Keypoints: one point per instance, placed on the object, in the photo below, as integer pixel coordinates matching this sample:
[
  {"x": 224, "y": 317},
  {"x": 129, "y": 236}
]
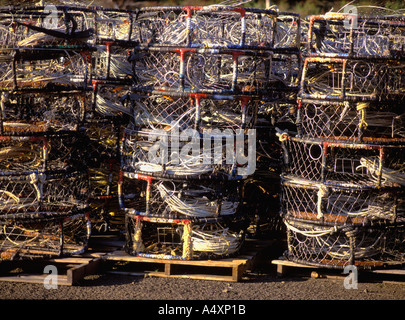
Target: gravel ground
[
  {"x": 259, "y": 290},
  {"x": 259, "y": 287}
]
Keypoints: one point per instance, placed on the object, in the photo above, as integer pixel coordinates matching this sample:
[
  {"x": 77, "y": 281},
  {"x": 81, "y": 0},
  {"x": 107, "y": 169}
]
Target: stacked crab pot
[
  {"x": 201, "y": 74},
  {"x": 343, "y": 183},
  {"x": 43, "y": 173}
]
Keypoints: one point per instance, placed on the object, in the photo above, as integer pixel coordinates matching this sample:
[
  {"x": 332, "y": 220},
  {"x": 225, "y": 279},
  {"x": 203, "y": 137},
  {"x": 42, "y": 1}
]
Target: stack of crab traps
[
  {"x": 200, "y": 76},
  {"x": 43, "y": 173},
  {"x": 344, "y": 177}
]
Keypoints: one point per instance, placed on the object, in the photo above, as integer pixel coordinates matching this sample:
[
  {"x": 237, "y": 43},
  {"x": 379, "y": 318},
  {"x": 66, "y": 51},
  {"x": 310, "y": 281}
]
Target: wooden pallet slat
[
  {"x": 183, "y": 268},
  {"x": 77, "y": 269}
]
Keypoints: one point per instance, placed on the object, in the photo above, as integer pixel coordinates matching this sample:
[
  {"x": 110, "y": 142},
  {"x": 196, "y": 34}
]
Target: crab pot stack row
[
  {"x": 343, "y": 182},
  {"x": 43, "y": 169},
  {"x": 200, "y": 76}
]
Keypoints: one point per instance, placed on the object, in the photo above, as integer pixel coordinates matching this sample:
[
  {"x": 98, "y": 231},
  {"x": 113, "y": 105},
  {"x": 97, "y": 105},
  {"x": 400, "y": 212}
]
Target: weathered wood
[{"x": 235, "y": 267}]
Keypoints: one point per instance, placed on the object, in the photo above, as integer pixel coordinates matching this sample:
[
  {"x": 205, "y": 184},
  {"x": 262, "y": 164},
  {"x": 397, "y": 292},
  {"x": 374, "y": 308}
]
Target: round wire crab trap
[
  {"x": 336, "y": 205},
  {"x": 182, "y": 239},
  {"x": 349, "y": 79},
  {"x": 51, "y": 111},
  {"x": 167, "y": 198},
  {"x": 27, "y": 238},
  {"x": 345, "y": 34},
  {"x": 42, "y": 194},
  {"x": 30, "y": 68},
  {"x": 338, "y": 246},
  {"x": 216, "y": 26},
  {"x": 205, "y": 70},
  {"x": 186, "y": 155},
  {"x": 174, "y": 110},
  {"x": 27, "y": 152},
  {"x": 36, "y": 25},
  {"x": 351, "y": 121},
  {"x": 363, "y": 164}
]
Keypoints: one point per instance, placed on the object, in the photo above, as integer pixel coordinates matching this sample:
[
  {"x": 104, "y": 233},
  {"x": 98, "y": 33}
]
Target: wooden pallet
[
  {"x": 228, "y": 269},
  {"x": 70, "y": 270},
  {"x": 285, "y": 266}
]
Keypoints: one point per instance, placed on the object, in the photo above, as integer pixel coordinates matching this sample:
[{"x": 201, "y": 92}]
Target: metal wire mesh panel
[
  {"x": 351, "y": 121},
  {"x": 108, "y": 99},
  {"x": 43, "y": 238},
  {"x": 40, "y": 68},
  {"x": 181, "y": 111},
  {"x": 336, "y": 247},
  {"x": 186, "y": 155},
  {"x": 42, "y": 194},
  {"x": 343, "y": 34},
  {"x": 111, "y": 62},
  {"x": 206, "y": 26},
  {"x": 52, "y": 110},
  {"x": 352, "y": 79},
  {"x": 364, "y": 164},
  {"x": 181, "y": 238},
  {"x": 329, "y": 204},
  {"x": 147, "y": 196},
  {"x": 203, "y": 69},
  {"x": 43, "y": 25},
  {"x": 32, "y": 152}
]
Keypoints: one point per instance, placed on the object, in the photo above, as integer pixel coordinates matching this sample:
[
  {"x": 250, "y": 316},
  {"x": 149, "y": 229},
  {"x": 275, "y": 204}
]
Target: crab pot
[
  {"x": 38, "y": 192},
  {"x": 44, "y": 68},
  {"x": 363, "y": 164},
  {"x": 330, "y": 204},
  {"x": 182, "y": 239},
  {"x": 338, "y": 246},
  {"x": 23, "y": 152},
  {"x": 349, "y": 121},
  {"x": 202, "y": 69},
  {"x": 350, "y": 79},
  {"x": 147, "y": 196},
  {"x": 207, "y": 26},
  {"x": 56, "y": 234},
  {"x": 51, "y": 109},
  {"x": 169, "y": 110},
  {"x": 345, "y": 34},
  {"x": 188, "y": 155},
  {"x": 65, "y": 19}
]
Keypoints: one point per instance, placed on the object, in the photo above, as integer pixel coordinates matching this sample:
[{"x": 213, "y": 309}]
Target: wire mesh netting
[
  {"x": 168, "y": 198},
  {"x": 181, "y": 111},
  {"x": 336, "y": 247},
  {"x": 344, "y": 79},
  {"x": 49, "y": 111},
  {"x": 212, "y": 70},
  {"x": 43, "y": 193},
  {"x": 330, "y": 204},
  {"x": 351, "y": 121},
  {"x": 363, "y": 164},
  {"x": 44, "y": 67},
  {"x": 342, "y": 34},
  {"x": 43, "y": 237},
  {"x": 182, "y": 239}
]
